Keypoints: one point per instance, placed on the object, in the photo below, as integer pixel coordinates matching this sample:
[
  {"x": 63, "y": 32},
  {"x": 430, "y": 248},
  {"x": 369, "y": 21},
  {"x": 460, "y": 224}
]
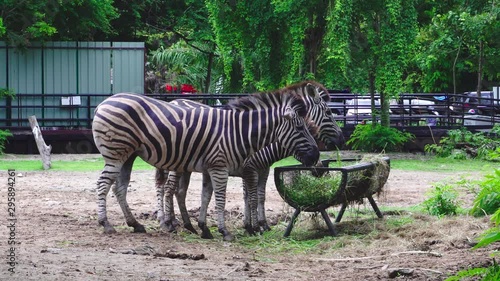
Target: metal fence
[{"x": 57, "y": 111}]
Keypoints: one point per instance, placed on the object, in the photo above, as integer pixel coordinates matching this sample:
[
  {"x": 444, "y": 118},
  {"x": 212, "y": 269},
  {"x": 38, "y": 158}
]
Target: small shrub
[
  {"x": 443, "y": 201},
  {"x": 487, "y": 200},
  {"x": 463, "y": 144},
  {"x": 3, "y": 139},
  {"x": 378, "y": 138}
]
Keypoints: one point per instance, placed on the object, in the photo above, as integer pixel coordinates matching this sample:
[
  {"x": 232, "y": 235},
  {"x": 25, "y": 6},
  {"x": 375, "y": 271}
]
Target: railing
[{"x": 75, "y": 112}]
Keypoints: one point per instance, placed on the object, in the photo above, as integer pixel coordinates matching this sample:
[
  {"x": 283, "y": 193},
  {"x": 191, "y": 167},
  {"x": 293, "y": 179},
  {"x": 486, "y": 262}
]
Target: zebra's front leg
[
  {"x": 120, "y": 190},
  {"x": 261, "y": 199},
  {"x": 206, "y": 196},
  {"x": 219, "y": 181},
  {"x": 250, "y": 180}
]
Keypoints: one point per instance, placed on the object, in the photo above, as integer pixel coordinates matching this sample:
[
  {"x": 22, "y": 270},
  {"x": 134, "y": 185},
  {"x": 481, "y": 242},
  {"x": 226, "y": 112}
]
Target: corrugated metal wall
[{"x": 69, "y": 69}]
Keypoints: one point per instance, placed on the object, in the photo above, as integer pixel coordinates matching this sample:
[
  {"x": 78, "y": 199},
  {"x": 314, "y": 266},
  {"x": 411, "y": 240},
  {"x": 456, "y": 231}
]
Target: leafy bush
[
  {"x": 3, "y": 139},
  {"x": 487, "y": 200},
  {"x": 463, "y": 144},
  {"x": 378, "y": 138},
  {"x": 443, "y": 201}
]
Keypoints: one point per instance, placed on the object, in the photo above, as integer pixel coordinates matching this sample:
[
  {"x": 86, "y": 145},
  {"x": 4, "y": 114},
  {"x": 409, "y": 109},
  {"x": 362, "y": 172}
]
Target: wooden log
[{"x": 43, "y": 149}]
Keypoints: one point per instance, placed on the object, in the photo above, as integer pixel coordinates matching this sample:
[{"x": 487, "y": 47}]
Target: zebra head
[
  {"x": 316, "y": 97},
  {"x": 298, "y": 133}
]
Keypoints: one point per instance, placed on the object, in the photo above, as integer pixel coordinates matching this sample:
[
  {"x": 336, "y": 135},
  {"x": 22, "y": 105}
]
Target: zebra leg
[
  {"x": 261, "y": 199},
  {"x": 250, "y": 180},
  {"x": 170, "y": 187},
  {"x": 120, "y": 190},
  {"x": 219, "y": 181},
  {"x": 206, "y": 196},
  {"x": 180, "y": 194},
  {"x": 106, "y": 179},
  {"x": 160, "y": 179}
]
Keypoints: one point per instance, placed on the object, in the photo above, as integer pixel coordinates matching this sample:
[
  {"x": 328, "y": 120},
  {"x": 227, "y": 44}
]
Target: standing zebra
[
  {"x": 254, "y": 170},
  {"x": 184, "y": 139}
]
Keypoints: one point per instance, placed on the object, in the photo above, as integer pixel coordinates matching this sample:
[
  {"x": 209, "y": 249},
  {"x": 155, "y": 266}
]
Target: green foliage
[
  {"x": 487, "y": 200},
  {"x": 378, "y": 138},
  {"x": 491, "y": 273},
  {"x": 33, "y": 20},
  {"x": 463, "y": 144},
  {"x": 4, "y": 92},
  {"x": 4, "y": 134},
  {"x": 442, "y": 201},
  {"x": 3, "y": 30}
]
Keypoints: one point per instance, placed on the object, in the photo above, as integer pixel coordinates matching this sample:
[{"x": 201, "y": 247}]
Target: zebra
[
  {"x": 256, "y": 171},
  {"x": 181, "y": 139}
]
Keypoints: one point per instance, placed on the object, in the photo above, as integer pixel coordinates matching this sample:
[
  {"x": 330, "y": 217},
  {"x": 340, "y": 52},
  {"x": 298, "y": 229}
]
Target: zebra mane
[
  {"x": 312, "y": 127},
  {"x": 269, "y": 99},
  {"x": 302, "y": 87}
]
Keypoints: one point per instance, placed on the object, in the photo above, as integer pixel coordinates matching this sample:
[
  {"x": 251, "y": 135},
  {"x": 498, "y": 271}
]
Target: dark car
[{"x": 469, "y": 103}]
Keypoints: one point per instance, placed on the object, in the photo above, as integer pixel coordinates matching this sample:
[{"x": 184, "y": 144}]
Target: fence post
[{"x": 43, "y": 149}]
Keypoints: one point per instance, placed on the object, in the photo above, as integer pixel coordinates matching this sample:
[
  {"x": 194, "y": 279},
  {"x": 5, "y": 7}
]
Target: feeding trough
[{"x": 338, "y": 182}]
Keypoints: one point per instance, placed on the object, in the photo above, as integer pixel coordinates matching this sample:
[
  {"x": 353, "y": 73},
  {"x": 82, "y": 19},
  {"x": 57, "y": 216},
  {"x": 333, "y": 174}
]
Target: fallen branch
[{"x": 434, "y": 254}]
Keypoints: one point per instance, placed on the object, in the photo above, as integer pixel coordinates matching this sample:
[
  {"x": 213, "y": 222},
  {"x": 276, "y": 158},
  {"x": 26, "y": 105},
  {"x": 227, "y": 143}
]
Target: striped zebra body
[
  {"x": 255, "y": 169},
  {"x": 181, "y": 139}
]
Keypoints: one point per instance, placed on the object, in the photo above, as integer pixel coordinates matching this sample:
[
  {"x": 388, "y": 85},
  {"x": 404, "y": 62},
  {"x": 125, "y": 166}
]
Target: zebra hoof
[
  {"x": 139, "y": 229},
  {"x": 249, "y": 230},
  {"x": 190, "y": 227},
  {"x": 167, "y": 228},
  {"x": 264, "y": 226},
  {"x": 109, "y": 230},
  {"x": 206, "y": 234},
  {"x": 227, "y": 236}
]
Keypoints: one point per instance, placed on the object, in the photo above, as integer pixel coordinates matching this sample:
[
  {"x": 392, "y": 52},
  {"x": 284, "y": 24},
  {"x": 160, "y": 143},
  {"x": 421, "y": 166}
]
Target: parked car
[{"x": 469, "y": 103}]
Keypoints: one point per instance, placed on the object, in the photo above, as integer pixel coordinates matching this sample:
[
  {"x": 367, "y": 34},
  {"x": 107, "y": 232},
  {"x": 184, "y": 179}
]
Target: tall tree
[
  {"x": 31, "y": 20},
  {"x": 374, "y": 38}
]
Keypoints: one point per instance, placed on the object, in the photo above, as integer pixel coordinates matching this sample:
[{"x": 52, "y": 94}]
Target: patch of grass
[
  {"x": 87, "y": 165},
  {"x": 442, "y": 164}
]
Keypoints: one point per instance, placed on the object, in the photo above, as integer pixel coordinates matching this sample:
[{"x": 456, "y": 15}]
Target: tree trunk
[
  {"x": 480, "y": 71},
  {"x": 43, "y": 149},
  {"x": 371, "y": 81},
  {"x": 209, "y": 72}
]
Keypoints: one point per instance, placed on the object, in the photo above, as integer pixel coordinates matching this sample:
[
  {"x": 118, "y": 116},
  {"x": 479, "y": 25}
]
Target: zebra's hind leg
[
  {"x": 106, "y": 179},
  {"x": 170, "y": 187},
  {"x": 180, "y": 194},
  {"x": 160, "y": 180},
  {"x": 206, "y": 196},
  {"x": 120, "y": 190}
]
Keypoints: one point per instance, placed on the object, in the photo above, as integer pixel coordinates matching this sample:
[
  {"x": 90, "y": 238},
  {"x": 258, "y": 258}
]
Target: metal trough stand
[{"x": 341, "y": 193}]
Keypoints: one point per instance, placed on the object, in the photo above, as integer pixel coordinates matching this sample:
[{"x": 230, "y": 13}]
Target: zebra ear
[
  {"x": 289, "y": 113},
  {"x": 312, "y": 91}
]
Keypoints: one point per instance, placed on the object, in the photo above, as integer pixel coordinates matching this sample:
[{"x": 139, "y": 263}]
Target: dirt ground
[{"x": 59, "y": 239}]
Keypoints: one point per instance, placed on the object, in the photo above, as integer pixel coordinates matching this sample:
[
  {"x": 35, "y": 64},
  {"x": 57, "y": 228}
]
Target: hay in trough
[
  {"x": 306, "y": 189},
  {"x": 368, "y": 181}
]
